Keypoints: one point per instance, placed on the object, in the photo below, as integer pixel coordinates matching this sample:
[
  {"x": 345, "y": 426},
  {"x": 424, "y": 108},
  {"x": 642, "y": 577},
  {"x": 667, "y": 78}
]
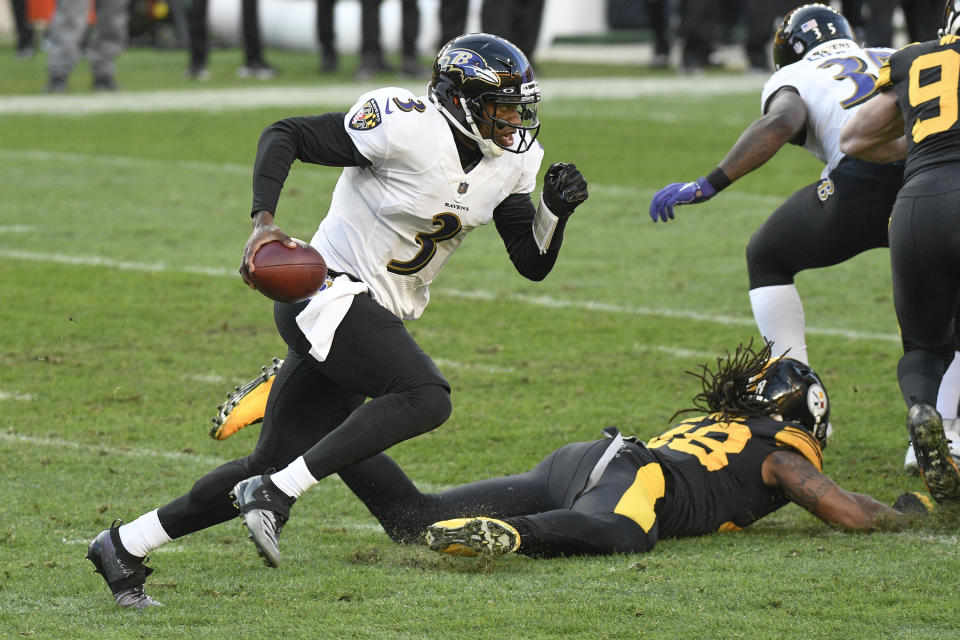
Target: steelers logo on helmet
[
  {"x": 816, "y": 400},
  {"x": 796, "y": 394}
]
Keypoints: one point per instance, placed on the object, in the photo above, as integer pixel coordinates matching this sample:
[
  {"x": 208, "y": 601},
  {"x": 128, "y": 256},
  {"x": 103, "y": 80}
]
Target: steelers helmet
[
  {"x": 804, "y": 28},
  {"x": 474, "y": 74},
  {"x": 951, "y": 18},
  {"x": 795, "y": 393}
]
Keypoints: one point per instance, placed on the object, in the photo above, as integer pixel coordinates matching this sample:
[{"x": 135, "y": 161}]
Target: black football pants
[
  {"x": 925, "y": 260},
  {"x": 318, "y": 409},
  {"x": 546, "y": 505},
  {"x": 825, "y": 223}
]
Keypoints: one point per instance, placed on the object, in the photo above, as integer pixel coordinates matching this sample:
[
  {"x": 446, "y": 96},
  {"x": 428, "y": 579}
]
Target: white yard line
[
  {"x": 322, "y": 97},
  {"x": 548, "y": 302},
  {"x": 16, "y": 395}
]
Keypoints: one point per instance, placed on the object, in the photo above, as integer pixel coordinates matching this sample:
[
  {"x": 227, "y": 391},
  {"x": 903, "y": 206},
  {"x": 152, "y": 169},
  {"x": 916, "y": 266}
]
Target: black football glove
[{"x": 564, "y": 187}]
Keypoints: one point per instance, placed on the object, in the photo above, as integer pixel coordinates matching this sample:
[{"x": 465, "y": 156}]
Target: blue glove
[{"x": 679, "y": 193}]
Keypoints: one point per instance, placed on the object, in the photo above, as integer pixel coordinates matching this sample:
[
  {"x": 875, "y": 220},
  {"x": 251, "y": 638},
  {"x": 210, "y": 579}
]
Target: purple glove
[{"x": 679, "y": 193}]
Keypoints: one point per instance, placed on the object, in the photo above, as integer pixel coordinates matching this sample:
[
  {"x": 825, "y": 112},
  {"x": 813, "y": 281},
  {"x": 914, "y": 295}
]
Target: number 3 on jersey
[{"x": 448, "y": 226}]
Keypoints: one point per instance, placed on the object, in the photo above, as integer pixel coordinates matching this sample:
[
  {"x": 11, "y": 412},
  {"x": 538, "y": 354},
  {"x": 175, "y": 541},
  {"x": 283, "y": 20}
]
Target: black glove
[{"x": 564, "y": 187}]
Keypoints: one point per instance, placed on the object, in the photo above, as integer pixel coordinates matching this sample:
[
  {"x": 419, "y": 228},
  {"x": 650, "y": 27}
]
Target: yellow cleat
[
  {"x": 472, "y": 537},
  {"x": 246, "y": 404}
]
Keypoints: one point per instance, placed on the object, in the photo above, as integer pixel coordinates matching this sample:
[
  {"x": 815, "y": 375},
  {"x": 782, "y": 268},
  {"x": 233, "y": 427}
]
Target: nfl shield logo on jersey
[{"x": 462, "y": 189}]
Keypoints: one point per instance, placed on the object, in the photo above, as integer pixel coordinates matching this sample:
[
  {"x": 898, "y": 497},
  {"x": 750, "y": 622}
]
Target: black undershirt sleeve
[
  {"x": 514, "y": 220},
  {"x": 317, "y": 139}
]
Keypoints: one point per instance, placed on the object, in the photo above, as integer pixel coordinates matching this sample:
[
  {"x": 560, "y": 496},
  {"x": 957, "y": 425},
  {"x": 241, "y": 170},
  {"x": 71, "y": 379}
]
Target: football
[{"x": 288, "y": 275}]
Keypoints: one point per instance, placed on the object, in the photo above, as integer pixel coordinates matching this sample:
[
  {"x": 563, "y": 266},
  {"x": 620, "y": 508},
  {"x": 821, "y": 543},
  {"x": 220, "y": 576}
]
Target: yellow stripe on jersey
[
  {"x": 804, "y": 443},
  {"x": 637, "y": 502},
  {"x": 883, "y": 77}
]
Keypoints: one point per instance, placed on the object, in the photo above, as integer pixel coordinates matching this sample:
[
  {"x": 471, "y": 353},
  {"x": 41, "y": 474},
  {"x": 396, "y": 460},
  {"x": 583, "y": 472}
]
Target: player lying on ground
[{"x": 758, "y": 448}]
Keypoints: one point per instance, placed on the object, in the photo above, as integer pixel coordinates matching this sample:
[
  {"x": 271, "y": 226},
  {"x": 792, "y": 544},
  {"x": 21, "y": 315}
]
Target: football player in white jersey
[
  {"x": 420, "y": 173},
  {"x": 822, "y": 78}
]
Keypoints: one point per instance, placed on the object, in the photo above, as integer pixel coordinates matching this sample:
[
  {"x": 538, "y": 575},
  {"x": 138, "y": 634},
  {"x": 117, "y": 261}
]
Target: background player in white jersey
[
  {"x": 822, "y": 79},
  {"x": 420, "y": 173}
]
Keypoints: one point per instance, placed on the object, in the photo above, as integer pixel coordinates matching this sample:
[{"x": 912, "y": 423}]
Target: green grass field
[{"x": 123, "y": 324}]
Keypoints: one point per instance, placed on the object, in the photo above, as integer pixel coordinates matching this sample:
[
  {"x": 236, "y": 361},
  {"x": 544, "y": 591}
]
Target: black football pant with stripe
[
  {"x": 320, "y": 409},
  {"x": 547, "y": 505},
  {"x": 925, "y": 260}
]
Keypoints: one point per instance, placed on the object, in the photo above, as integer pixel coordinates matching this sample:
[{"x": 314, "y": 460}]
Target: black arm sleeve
[
  {"x": 514, "y": 220},
  {"x": 314, "y": 139}
]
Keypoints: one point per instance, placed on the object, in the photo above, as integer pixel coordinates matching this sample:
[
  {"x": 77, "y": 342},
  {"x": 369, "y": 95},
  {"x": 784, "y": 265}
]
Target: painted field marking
[{"x": 548, "y": 302}]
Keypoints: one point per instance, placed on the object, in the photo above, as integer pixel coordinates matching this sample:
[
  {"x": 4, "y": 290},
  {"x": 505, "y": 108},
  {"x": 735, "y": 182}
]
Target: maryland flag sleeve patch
[{"x": 367, "y": 116}]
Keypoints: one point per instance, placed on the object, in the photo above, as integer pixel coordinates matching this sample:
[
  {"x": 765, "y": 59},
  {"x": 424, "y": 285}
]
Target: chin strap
[{"x": 488, "y": 147}]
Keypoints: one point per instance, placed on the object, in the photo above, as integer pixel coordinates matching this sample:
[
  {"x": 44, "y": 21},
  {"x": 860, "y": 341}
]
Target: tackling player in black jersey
[{"x": 758, "y": 448}]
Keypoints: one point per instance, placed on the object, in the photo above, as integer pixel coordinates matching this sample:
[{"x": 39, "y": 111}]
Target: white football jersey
[
  {"x": 395, "y": 224},
  {"x": 833, "y": 79}
]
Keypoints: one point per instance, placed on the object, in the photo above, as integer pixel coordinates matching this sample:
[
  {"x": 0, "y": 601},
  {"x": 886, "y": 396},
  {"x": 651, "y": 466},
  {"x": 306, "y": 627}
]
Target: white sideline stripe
[
  {"x": 675, "y": 351},
  {"x": 317, "y": 96},
  {"x": 15, "y": 395},
  {"x": 479, "y": 294},
  {"x": 15, "y": 228},
  {"x": 179, "y": 456},
  {"x": 121, "y": 161},
  {"x": 632, "y": 194},
  {"x": 207, "y": 377},
  {"x": 60, "y": 443},
  {"x": 485, "y": 368}
]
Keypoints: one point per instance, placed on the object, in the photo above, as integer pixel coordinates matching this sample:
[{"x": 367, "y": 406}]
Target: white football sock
[
  {"x": 294, "y": 479},
  {"x": 779, "y": 315},
  {"x": 143, "y": 535},
  {"x": 948, "y": 397}
]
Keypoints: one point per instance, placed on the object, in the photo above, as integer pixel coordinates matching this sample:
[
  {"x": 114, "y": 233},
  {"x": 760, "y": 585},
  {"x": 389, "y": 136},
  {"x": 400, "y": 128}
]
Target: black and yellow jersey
[
  {"x": 926, "y": 80},
  {"x": 714, "y": 471}
]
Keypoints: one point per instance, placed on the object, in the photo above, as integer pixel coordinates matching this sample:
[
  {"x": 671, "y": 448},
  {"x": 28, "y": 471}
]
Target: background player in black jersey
[
  {"x": 758, "y": 448},
  {"x": 918, "y": 92}
]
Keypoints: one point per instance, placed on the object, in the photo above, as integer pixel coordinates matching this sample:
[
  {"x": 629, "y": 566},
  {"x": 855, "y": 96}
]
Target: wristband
[{"x": 718, "y": 180}]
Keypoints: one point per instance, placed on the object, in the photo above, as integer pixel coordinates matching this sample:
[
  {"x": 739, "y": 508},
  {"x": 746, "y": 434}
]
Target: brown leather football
[{"x": 288, "y": 275}]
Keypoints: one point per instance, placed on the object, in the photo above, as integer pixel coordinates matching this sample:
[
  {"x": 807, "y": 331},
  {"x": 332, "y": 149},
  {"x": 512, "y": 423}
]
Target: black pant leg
[
  {"x": 24, "y": 30},
  {"x": 197, "y": 32},
  {"x": 372, "y": 355},
  {"x": 410, "y": 28},
  {"x": 453, "y": 19},
  {"x": 325, "y": 33},
  {"x": 370, "y": 30},
  {"x": 252, "y": 44}
]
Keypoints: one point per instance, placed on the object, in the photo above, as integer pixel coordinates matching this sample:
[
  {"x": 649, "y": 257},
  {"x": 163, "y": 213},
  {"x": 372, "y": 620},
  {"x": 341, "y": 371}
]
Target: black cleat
[
  {"x": 264, "y": 509},
  {"x": 125, "y": 574},
  {"x": 937, "y": 468}
]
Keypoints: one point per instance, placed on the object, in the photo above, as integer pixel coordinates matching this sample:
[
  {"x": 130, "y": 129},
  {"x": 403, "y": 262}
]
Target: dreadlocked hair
[{"x": 731, "y": 391}]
